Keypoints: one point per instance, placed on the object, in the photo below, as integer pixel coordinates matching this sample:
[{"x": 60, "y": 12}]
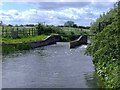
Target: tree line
[{"x": 66, "y": 24}]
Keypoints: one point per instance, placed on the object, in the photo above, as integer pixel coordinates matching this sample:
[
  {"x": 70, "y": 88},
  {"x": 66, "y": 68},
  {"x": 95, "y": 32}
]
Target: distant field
[
  {"x": 69, "y": 30},
  {"x": 66, "y": 30}
]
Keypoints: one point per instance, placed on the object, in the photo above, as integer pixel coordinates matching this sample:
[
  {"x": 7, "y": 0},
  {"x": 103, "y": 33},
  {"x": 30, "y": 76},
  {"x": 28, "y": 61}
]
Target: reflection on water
[
  {"x": 54, "y": 66},
  {"x": 91, "y": 80}
]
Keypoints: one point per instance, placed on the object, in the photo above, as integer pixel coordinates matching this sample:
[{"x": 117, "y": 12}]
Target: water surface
[{"x": 54, "y": 66}]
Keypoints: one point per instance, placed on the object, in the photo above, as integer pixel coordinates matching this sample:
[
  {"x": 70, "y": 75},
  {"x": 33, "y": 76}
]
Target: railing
[{"x": 18, "y": 32}]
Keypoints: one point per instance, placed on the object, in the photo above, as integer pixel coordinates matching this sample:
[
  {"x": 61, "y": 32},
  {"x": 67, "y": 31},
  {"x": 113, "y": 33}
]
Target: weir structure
[
  {"x": 82, "y": 40},
  {"x": 52, "y": 39}
]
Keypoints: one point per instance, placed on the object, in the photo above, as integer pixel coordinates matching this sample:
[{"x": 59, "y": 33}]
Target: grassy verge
[
  {"x": 23, "y": 46},
  {"x": 23, "y": 40}
]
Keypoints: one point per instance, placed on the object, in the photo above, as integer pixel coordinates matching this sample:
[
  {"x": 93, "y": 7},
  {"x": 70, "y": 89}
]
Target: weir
[
  {"x": 80, "y": 41},
  {"x": 52, "y": 39}
]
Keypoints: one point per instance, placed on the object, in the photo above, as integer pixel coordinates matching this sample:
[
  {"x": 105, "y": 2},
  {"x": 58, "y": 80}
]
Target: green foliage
[
  {"x": 69, "y": 24},
  {"x": 22, "y": 40},
  {"x": 105, "y": 49},
  {"x": 104, "y": 19},
  {"x": 67, "y": 32},
  {"x": 23, "y": 46},
  {"x": 14, "y": 48},
  {"x": 105, "y": 52},
  {"x": 40, "y": 28}
]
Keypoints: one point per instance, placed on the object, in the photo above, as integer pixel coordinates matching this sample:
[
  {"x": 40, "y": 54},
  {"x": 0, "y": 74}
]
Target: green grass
[
  {"x": 23, "y": 40},
  {"x": 23, "y": 46},
  {"x": 68, "y": 30}
]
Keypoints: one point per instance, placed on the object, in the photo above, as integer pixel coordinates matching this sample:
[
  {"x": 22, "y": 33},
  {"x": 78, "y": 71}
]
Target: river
[{"x": 54, "y": 66}]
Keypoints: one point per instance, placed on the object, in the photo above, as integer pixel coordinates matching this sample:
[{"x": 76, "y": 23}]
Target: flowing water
[{"x": 54, "y": 66}]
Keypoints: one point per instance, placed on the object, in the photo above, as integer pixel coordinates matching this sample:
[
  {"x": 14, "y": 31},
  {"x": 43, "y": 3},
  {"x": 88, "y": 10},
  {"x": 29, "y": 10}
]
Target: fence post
[
  {"x": 17, "y": 31},
  {"x": 32, "y": 31},
  {"x": 2, "y": 30},
  {"x": 6, "y": 32},
  {"x": 12, "y": 31},
  {"x": 29, "y": 32},
  {"x": 36, "y": 32},
  {"x": 23, "y": 31}
]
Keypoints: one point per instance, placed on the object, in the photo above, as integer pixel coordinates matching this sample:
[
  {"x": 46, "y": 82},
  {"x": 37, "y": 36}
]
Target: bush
[
  {"x": 105, "y": 49},
  {"x": 40, "y": 28},
  {"x": 105, "y": 52},
  {"x": 47, "y": 30}
]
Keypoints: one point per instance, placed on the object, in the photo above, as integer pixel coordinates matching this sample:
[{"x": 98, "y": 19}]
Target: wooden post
[
  {"x": 12, "y": 31},
  {"x": 6, "y": 32},
  {"x": 36, "y": 32},
  {"x": 23, "y": 32},
  {"x": 29, "y": 32},
  {"x": 2, "y": 30},
  {"x": 32, "y": 31},
  {"x": 17, "y": 31}
]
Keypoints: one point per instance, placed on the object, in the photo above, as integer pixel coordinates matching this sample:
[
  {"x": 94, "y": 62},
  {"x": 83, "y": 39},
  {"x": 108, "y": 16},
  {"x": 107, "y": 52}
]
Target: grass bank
[
  {"x": 23, "y": 40},
  {"x": 6, "y": 49}
]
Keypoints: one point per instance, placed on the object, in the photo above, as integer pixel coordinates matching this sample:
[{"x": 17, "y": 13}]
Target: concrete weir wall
[
  {"x": 48, "y": 41},
  {"x": 80, "y": 41}
]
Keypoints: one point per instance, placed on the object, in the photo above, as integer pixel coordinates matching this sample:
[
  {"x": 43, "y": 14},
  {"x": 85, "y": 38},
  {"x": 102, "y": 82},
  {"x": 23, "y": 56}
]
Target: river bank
[{"x": 11, "y": 47}]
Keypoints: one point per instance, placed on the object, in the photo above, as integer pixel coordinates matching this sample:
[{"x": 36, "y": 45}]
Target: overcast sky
[{"x": 52, "y": 13}]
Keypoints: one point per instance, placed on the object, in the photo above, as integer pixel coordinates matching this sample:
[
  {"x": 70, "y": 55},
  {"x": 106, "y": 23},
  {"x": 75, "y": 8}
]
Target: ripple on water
[{"x": 50, "y": 66}]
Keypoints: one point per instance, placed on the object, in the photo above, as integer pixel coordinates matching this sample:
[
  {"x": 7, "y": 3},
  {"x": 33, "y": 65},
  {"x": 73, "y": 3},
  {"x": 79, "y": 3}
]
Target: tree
[
  {"x": 40, "y": 28},
  {"x": 16, "y": 25},
  {"x": 108, "y": 17},
  {"x": 75, "y": 25},
  {"x": 10, "y": 25},
  {"x": 21, "y": 25},
  {"x": 1, "y": 23},
  {"x": 69, "y": 24}
]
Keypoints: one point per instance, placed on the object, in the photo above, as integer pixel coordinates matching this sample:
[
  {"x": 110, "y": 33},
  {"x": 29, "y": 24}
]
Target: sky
[{"x": 52, "y": 12}]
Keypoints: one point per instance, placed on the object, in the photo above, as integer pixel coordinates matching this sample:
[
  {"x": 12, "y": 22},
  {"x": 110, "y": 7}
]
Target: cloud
[
  {"x": 56, "y": 13},
  {"x": 57, "y": 0},
  {"x": 1, "y": 4},
  {"x": 47, "y": 16},
  {"x": 102, "y": 5},
  {"x": 57, "y": 5}
]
